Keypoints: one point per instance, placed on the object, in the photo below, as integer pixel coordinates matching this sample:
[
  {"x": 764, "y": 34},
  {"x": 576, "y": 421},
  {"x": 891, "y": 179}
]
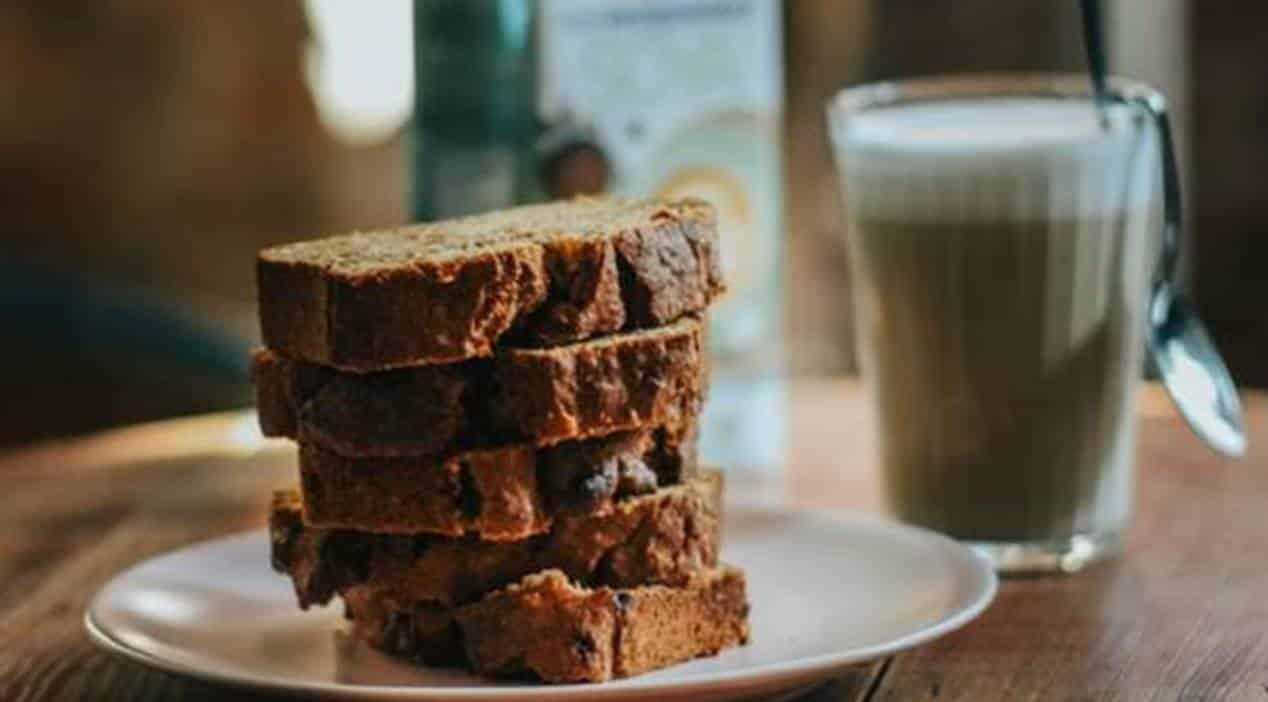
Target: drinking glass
[{"x": 999, "y": 231}]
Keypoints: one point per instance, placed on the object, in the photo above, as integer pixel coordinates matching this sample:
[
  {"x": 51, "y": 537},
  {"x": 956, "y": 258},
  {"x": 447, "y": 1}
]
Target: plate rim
[{"x": 767, "y": 675}]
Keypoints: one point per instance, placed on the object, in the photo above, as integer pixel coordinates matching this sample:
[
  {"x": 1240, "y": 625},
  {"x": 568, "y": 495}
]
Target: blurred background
[{"x": 148, "y": 148}]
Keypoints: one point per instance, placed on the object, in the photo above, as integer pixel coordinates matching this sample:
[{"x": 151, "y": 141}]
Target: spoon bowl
[{"x": 1193, "y": 372}]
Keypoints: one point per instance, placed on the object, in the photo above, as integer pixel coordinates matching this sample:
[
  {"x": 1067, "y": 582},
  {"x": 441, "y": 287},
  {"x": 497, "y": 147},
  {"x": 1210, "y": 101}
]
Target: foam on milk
[{"x": 991, "y": 158}]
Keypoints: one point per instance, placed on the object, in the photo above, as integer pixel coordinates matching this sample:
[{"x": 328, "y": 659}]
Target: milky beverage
[{"x": 999, "y": 249}]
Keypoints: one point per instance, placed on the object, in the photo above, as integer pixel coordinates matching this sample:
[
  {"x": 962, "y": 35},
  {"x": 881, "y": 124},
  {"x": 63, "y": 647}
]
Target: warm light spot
[{"x": 360, "y": 66}]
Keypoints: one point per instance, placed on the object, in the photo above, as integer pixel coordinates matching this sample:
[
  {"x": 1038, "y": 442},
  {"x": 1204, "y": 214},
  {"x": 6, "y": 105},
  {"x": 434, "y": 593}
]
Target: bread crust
[
  {"x": 521, "y": 395},
  {"x": 500, "y": 494},
  {"x": 662, "y": 537},
  {"x": 561, "y": 632},
  {"x": 447, "y": 291}
]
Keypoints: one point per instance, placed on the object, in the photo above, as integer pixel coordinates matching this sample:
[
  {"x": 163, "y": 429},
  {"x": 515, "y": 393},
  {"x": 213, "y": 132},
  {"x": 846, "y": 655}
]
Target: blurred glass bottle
[
  {"x": 552, "y": 98},
  {"x": 474, "y": 121}
]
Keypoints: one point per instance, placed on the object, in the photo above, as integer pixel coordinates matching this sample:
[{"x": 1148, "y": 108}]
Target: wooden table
[{"x": 1182, "y": 616}]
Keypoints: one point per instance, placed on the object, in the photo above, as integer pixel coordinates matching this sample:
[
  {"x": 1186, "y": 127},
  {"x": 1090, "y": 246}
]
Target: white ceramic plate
[{"x": 825, "y": 594}]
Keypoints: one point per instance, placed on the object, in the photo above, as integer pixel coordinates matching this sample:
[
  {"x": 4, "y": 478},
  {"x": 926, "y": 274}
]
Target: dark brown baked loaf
[
  {"x": 590, "y": 388},
  {"x": 561, "y": 631},
  {"x": 501, "y": 494},
  {"x": 656, "y": 538},
  {"x": 447, "y": 291}
]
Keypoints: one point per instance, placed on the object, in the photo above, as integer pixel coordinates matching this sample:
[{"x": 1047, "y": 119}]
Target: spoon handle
[
  {"x": 1172, "y": 198},
  {"x": 1094, "y": 45},
  {"x": 1172, "y": 202}
]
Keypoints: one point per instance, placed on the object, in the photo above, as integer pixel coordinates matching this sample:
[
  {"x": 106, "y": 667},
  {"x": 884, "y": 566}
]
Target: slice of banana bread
[
  {"x": 451, "y": 290},
  {"x": 561, "y": 631},
  {"x": 656, "y": 538},
  {"x": 591, "y": 388},
  {"x": 501, "y": 494}
]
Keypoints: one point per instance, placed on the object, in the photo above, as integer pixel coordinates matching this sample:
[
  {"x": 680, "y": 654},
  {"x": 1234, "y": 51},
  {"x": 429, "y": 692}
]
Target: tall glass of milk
[{"x": 999, "y": 237}]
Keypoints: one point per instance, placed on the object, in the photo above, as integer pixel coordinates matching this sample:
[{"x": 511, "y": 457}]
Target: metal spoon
[{"x": 1179, "y": 347}]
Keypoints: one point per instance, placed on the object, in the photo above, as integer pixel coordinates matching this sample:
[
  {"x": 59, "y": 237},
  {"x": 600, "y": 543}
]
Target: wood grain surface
[{"x": 1183, "y": 615}]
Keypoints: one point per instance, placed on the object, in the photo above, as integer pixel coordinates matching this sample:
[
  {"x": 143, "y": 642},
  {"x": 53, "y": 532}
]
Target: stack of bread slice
[{"x": 496, "y": 419}]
